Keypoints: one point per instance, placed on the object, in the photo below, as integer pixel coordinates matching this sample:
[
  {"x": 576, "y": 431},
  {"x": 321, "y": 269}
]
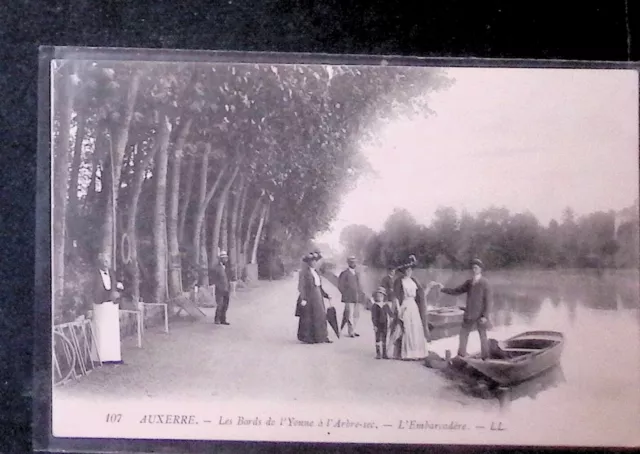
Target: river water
[{"x": 599, "y": 315}]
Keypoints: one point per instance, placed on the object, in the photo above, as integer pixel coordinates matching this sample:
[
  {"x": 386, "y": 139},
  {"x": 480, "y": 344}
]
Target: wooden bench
[{"x": 185, "y": 304}]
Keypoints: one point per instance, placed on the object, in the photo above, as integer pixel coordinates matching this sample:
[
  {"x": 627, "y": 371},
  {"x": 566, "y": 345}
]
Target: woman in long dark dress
[{"x": 312, "y": 327}]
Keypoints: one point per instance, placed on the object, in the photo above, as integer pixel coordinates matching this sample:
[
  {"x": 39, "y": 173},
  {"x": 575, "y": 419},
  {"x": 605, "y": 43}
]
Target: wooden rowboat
[
  {"x": 520, "y": 357},
  {"x": 444, "y": 316}
]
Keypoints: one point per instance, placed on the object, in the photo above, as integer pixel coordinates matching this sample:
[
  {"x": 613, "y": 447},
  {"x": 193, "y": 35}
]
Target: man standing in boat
[{"x": 477, "y": 310}]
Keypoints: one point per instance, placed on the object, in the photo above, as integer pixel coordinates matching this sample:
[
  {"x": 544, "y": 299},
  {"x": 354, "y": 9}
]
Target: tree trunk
[
  {"x": 240, "y": 264},
  {"x": 247, "y": 237},
  {"x": 175, "y": 274},
  {"x": 220, "y": 208},
  {"x": 91, "y": 190},
  {"x": 263, "y": 216},
  {"x": 268, "y": 255},
  {"x": 222, "y": 244},
  {"x": 134, "y": 267},
  {"x": 267, "y": 216},
  {"x": 72, "y": 209},
  {"x": 100, "y": 155},
  {"x": 224, "y": 228},
  {"x": 203, "y": 270},
  {"x": 184, "y": 207},
  {"x": 233, "y": 228},
  {"x": 243, "y": 203},
  {"x": 117, "y": 149},
  {"x": 204, "y": 170},
  {"x": 62, "y": 105},
  {"x": 239, "y": 228},
  {"x": 198, "y": 238},
  {"x": 160, "y": 213}
]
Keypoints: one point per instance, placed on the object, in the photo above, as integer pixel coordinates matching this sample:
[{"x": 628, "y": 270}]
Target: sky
[{"x": 535, "y": 140}]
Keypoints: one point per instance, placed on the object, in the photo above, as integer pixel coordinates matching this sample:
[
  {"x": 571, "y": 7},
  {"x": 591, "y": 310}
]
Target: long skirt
[
  {"x": 312, "y": 327},
  {"x": 394, "y": 337},
  {"x": 414, "y": 344}
]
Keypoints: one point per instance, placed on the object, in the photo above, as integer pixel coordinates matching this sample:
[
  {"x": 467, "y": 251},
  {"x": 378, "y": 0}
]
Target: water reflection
[
  {"x": 600, "y": 318},
  {"x": 532, "y": 388},
  {"x": 524, "y": 292},
  {"x": 503, "y": 317},
  {"x": 572, "y": 306},
  {"x": 444, "y": 332},
  {"x": 628, "y": 297}
]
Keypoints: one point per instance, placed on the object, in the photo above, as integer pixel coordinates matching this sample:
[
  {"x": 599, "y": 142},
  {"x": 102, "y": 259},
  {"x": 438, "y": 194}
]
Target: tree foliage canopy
[{"x": 283, "y": 141}]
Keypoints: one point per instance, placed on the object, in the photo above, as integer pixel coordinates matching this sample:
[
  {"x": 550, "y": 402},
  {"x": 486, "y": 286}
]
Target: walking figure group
[{"x": 398, "y": 308}]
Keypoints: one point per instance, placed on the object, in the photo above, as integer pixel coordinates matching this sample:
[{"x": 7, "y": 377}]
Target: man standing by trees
[
  {"x": 222, "y": 289},
  {"x": 350, "y": 288},
  {"x": 476, "y": 312}
]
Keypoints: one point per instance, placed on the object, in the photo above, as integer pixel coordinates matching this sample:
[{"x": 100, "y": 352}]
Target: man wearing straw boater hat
[
  {"x": 350, "y": 289},
  {"x": 477, "y": 310},
  {"x": 222, "y": 289}
]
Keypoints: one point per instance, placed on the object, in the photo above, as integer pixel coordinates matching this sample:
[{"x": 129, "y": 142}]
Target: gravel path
[{"x": 259, "y": 357}]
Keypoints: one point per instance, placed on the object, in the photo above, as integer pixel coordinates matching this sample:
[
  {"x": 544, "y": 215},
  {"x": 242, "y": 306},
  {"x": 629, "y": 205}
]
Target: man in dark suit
[
  {"x": 477, "y": 310},
  {"x": 387, "y": 283},
  {"x": 106, "y": 285},
  {"x": 350, "y": 288},
  {"x": 222, "y": 289}
]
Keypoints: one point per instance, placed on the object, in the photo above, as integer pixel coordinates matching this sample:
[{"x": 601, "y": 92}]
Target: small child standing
[{"x": 380, "y": 318}]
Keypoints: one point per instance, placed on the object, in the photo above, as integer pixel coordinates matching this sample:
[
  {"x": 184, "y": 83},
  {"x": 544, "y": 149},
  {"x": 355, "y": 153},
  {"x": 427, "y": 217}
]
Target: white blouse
[
  {"x": 316, "y": 277},
  {"x": 410, "y": 288},
  {"x": 106, "y": 281}
]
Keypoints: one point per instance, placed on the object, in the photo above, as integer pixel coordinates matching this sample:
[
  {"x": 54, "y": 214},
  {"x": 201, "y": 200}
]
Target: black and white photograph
[{"x": 365, "y": 251}]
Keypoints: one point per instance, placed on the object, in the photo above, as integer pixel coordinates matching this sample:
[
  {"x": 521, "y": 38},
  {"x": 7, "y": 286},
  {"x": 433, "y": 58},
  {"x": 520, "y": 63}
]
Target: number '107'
[{"x": 114, "y": 417}]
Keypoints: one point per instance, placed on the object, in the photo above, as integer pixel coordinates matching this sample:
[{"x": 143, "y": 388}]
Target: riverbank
[
  {"x": 256, "y": 366},
  {"x": 258, "y": 357}
]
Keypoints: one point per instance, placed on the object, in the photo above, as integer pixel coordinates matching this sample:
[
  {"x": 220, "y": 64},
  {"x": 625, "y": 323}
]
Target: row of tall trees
[
  {"x": 502, "y": 239},
  {"x": 159, "y": 166}
]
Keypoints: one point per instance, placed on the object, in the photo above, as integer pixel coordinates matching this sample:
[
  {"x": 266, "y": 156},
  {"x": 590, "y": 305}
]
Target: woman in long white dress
[{"x": 410, "y": 303}]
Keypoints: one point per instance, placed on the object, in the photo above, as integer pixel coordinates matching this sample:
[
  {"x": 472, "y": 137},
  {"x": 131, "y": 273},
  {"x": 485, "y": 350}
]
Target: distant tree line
[{"x": 502, "y": 239}]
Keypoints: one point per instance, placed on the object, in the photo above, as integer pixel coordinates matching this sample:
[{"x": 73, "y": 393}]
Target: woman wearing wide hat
[
  {"x": 312, "y": 327},
  {"x": 410, "y": 336}
]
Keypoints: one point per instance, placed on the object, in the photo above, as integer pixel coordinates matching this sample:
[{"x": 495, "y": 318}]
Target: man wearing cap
[
  {"x": 380, "y": 314},
  {"x": 477, "y": 310},
  {"x": 222, "y": 288},
  {"x": 350, "y": 289}
]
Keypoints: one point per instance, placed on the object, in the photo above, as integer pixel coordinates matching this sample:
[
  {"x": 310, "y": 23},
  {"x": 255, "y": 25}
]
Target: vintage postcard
[{"x": 332, "y": 249}]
